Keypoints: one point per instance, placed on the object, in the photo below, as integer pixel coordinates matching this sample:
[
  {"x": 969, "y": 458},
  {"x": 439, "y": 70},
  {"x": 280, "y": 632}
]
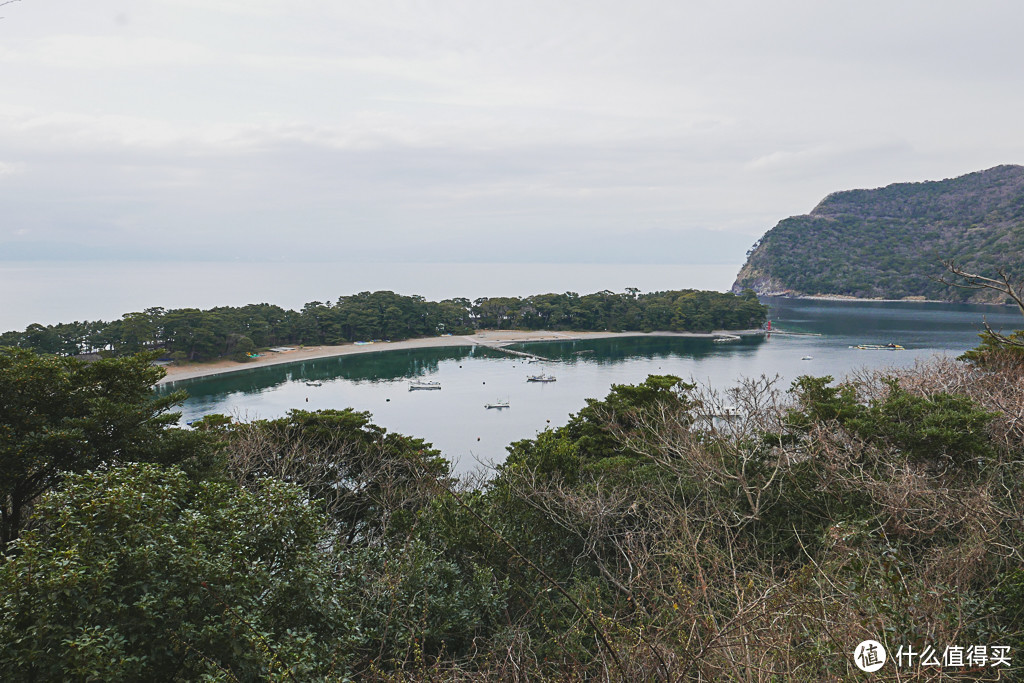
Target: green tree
[
  {"x": 369, "y": 480},
  {"x": 939, "y": 428},
  {"x": 143, "y": 574},
  {"x": 60, "y": 414},
  {"x": 243, "y": 346}
]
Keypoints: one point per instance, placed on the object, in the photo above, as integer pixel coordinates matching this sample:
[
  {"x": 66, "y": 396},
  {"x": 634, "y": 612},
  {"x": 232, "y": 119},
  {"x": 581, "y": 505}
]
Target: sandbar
[{"x": 491, "y": 338}]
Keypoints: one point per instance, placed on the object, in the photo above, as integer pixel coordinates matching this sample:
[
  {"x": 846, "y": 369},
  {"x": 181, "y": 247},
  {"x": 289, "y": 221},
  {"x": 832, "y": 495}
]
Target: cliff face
[{"x": 889, "y": 242}]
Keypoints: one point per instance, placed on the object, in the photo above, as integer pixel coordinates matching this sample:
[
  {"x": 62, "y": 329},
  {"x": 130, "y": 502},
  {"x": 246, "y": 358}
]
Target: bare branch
[{"x": 1002, "y": 285}]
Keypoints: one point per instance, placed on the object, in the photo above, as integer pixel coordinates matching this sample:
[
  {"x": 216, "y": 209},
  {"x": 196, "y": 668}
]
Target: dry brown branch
[
  {"x": 379, "y": 488},
  {"x": 1001, "y": 285}
]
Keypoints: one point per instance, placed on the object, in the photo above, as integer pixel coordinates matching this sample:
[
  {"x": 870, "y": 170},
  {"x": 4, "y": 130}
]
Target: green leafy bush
[{"x": 142, "y": 574}]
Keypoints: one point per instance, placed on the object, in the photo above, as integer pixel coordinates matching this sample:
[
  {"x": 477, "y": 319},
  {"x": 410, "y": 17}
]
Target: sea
[
  {"x": 54, "y": 292},
  {"x": 812, "y": 337}
]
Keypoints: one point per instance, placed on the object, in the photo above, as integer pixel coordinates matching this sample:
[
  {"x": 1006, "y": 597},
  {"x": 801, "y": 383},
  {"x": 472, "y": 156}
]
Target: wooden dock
[{"x": 501, "y": 346}]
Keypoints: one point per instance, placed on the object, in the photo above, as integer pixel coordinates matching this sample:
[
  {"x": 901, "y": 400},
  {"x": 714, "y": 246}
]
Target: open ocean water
[{"x": 49, "y": 293}]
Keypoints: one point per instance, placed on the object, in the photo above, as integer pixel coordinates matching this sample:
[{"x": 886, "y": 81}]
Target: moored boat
[
  {"x": 540, "y": 378},
  {"x": 497, "y": 404},
  {"x": 424, "y": 384},
  {"x": 879, "y": 347}
]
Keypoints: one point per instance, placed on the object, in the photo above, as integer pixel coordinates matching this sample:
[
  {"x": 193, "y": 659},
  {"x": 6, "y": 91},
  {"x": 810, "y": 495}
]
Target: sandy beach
[{"x": 493, "y": 338}]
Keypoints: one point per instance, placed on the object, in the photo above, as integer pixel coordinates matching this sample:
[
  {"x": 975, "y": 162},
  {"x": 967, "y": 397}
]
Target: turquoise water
[{"x": 454, "y": 419}]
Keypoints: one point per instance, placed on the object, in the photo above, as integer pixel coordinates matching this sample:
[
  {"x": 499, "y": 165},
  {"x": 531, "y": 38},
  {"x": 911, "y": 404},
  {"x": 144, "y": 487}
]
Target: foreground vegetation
[
  {"x": 192, "y": 334},
  {"x": 643, "y": 540}
]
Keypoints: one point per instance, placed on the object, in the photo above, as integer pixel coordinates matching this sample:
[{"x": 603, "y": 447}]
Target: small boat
[
  {"x": 497, "y": 404},
  {"x": 879, "y": 347},
  {"x": 423, "y": 384},
  {"x": 807, "y": 358},
  {"x": 540, "y": 378},
  {"x": 314, "y": 384},
  {"x": 721, "y": 339}
]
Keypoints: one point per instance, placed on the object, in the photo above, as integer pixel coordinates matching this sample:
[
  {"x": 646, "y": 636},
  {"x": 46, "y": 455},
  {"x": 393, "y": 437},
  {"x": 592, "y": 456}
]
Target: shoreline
[
  {"x": 843, "y": 297},
  {"x": 490, "y": 338}
]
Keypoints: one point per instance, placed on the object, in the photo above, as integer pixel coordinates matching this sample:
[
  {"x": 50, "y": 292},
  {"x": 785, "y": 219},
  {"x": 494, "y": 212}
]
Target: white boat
[
  {"x": 879, "y": 347},
  {"x": 807, "y": 358},
  {"x": 497, "y": 404},
  {"x": 540, "y": 378},
  {"x": 314, "y": 384},
  {"x": 721, "y": 339},
  {"x": 423, "y": 384}
]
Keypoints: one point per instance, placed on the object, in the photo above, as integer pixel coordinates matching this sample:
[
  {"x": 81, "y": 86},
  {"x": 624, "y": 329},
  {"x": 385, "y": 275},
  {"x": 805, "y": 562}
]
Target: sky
[{"x": 606, "y": 132}]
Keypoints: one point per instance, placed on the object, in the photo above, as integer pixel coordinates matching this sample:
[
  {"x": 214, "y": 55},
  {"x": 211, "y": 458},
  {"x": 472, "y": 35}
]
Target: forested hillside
[
  {"x": 890, "y": 242},
  {"x": 193, "y": 334}
]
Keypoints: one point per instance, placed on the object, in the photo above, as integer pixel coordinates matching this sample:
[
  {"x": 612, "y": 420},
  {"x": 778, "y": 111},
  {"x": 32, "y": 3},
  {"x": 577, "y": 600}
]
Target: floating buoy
[
  {"x": 387, "y": 400},
  {"x": 478, "y": 438}
]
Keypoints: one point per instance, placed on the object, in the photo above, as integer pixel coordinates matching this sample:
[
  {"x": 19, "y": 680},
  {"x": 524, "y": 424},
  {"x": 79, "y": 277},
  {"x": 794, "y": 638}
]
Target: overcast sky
[{"x": 663, "y": 131}]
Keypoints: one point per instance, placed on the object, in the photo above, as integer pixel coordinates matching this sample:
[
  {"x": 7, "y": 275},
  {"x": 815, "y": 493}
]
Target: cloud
[
  {"x": 790, "y": 158},
  {"x": 256, "y": 8},
  {"x": 363, "y": 125},
  {"x": 10, "y": 169},
  {"x": 98, "y": 52}
]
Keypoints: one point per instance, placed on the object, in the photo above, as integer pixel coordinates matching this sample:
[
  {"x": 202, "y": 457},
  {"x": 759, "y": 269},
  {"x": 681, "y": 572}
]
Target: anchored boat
[
  {"x": 540, "y": 378},
  {"x": 423, "y": 384},
  {"x": 879, "y": 347},
  {"x": 497, "y": 404}
]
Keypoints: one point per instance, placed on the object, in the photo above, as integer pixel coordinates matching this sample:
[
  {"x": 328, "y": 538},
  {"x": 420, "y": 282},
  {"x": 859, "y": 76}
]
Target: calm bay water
[
  {"x": 454, "y": 419},
  {"x": 49, "y": 293}
]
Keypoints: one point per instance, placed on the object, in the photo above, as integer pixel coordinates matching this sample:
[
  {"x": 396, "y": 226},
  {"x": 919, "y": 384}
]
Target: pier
[{"x": 501, "y": 346}]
